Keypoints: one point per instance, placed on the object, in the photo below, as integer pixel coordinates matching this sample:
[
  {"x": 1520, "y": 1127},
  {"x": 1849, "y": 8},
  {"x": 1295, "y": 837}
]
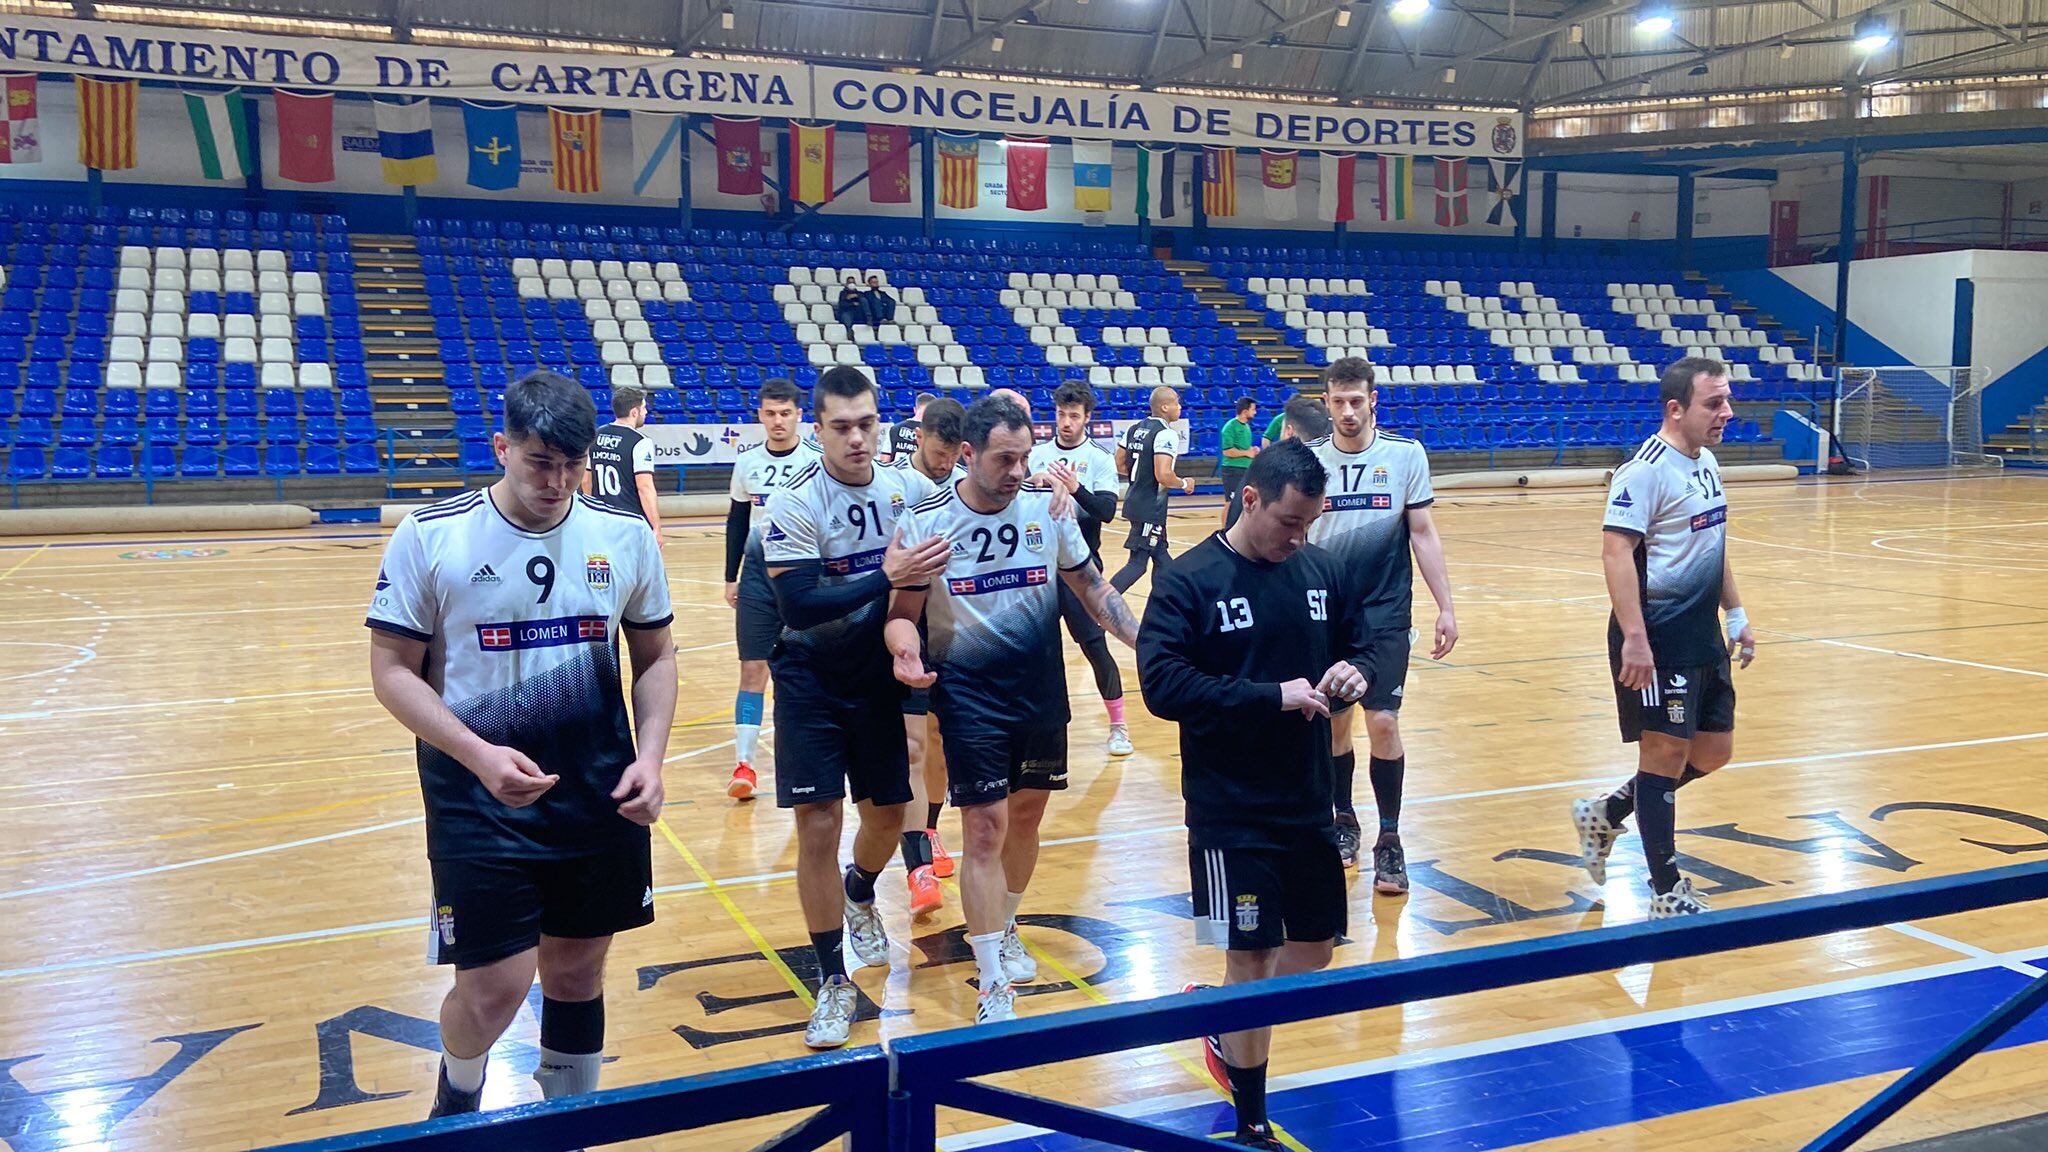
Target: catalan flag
[
  {"x": 106, "y": 123},
  {"x": 1219, "y": 181},
  {"x": 579, "y": 157},
  {"x": 959, "y": 170},
  {"x": 811, "y": 146}
]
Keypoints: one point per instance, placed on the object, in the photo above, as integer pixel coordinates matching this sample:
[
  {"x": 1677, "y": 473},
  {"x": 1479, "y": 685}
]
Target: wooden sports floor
[{"x": 212, "y": 882}]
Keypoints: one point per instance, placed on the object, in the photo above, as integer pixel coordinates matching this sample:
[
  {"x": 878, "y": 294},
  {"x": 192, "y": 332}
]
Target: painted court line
[
  {"x": 1953, "y": 945},
  {"x": 267, "y": 849}
]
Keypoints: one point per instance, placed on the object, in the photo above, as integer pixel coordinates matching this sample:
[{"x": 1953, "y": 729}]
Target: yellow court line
[
  {"x": 1067, "y": 974},
  {"x": 761, "y": 944},
  {"x": 18, "y": 564},
  {"x": 205, "y": 829}
]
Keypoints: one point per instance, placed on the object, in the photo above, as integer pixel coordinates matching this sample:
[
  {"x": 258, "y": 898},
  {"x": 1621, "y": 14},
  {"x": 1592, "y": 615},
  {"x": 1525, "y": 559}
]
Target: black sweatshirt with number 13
[{"x": 1221, "y": 633}]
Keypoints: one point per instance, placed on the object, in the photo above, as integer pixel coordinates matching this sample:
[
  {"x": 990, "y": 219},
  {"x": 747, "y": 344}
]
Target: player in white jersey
[
  {"x": 1375, "y": 512},
  {"x": 760, "y": 470},
  {"x": 1076, "y": 462},
  {"x": 1677, "y": 620},
  {"x": 998, "y": 679},
  {"x": 493, "y": 639},
  {"x": 835, "y": 546}
]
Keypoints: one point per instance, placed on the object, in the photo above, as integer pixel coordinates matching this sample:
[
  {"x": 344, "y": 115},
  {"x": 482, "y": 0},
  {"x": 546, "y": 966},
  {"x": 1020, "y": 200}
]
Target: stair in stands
[
  {"x": 1268, "y": 345},
  {"x": 2025, "y": 439},
  {"x": 403, "y": 362}
]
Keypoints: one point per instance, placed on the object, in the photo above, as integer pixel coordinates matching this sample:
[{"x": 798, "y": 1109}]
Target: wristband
[{"x": 1736, "y": 623}]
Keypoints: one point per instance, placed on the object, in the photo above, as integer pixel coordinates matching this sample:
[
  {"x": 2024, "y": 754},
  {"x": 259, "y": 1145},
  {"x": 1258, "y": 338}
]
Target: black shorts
[
  {"x": 1233, "y": 483},
  {"x": 827, "y": 749},
  {"x": 1251, "y": 898},
  {"x": 918, "y": 702},
  {"x": 1080, "y": 625},
  {"x": 1385, "y": 665},
  {"x": 1147, "y": 536},
  {"x": 1681, "y": 701},
  {"x": 757, "y": 624},
  {"x": 488, "y": 909},
  {"x": 985, "y": 764}
]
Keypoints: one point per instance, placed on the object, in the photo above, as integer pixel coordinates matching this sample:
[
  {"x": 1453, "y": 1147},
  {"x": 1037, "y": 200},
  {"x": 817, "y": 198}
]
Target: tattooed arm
[{"x": 1103, "y": 602}]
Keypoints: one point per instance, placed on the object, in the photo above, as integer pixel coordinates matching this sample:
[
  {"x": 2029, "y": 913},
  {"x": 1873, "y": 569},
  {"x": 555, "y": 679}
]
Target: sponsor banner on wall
[{"x": 739, "y": 88}]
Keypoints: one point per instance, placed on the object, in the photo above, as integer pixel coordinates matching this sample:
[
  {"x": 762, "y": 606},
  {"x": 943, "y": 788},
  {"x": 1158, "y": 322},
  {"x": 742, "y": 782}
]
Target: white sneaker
[
  {"x": 1017, "y": 962},
  {"x": 832, "y": 1019},
  {"x": 1597, "y": 835},
  {"x": 1682, "y": 900},
  {"x": 1120, "y": 741},
  {"x": 865, "y": 936},
  {"x": 997, "y": 1002}
]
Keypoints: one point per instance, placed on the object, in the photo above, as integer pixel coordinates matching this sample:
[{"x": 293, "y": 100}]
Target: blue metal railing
[{"x": 891, "y": 1100}]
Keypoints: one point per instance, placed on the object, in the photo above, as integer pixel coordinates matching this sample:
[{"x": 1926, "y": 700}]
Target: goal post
[{"x": 1908, "y": 417}]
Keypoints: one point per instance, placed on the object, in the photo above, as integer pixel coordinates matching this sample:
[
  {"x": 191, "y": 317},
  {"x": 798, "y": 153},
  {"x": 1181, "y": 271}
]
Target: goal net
[{"x": 1911, "y": 418}]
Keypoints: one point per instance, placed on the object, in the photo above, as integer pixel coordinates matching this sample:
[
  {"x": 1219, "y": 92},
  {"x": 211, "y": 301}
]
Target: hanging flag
[
  {"x": 811, "y": 145},
  {"x": 959, "y": 170},
  {"x": 221, "y": 130},
  {"x": 1219, "y": 181},
  {"x": 888, "y": 164},
  {"x": 1338, "y": 174},
  {"x": 579, "y": 149},
  {"x": 1155, "y": 166},
  {"x": 405, "y": 137},
  {"x": 22, "y": 143},
  {"x": 658, "y": 145},
  {"x": 1279, "y": 172},
  {"x": 1024, "y": 158},
  {"x": 738, "y": 141},
  {"x": 305, "y": 136},
  {"x": 1397, "y": 186},
  {"x": 1507, "y": 185},
  {"x": 1451, "y": 211},
  {"x": 492, "y": 134},
  {"x": 106, "y": 123},
  {"x": 1092, "y": 160}
]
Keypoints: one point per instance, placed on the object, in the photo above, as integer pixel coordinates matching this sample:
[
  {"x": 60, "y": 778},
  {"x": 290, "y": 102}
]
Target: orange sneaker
[
  {"x": 925, "y": 897},
  {"x": 743, "y": 782},
  {"x": 942, "y": 864}
]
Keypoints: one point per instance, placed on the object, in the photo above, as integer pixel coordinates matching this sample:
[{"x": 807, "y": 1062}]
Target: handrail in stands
[{"x": 920, "y": 1074}]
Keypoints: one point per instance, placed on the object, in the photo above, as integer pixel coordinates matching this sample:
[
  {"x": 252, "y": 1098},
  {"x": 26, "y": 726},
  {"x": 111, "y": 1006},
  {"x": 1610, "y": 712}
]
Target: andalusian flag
[
  {"x": 106, "y": 123},
  {"x": 221, "y": 129},
  {"x": 811, "y": 145},
  {"x": 1397, "y": 187}
]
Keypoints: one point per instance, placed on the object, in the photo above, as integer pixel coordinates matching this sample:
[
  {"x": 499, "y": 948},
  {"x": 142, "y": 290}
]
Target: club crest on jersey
[
  {"x": 1034, "y": 536},
  {"x": 1674, "y": 710},
  {"x": 444, "y": 923},
  {"x": 597, "y": 570},
  {"x": 1379, "y": 476},
  {"x": 1247, "y": 913},
  {"x": 896, "y": 503}
]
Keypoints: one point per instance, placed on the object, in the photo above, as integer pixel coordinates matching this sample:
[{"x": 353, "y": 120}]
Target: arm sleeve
[
  {"x": 643, "y": 456},
  {"x": 1631, "y": 499},
  {"x": 1098, "y": 505},
  {"x": 647, "y": 603},
  {"x": 805, "y": 602},
  {"x": 405, "y": 601},
  {"x": 1421, "y": 494},
  {"x": 738, "y": 519},
  {"x": 1173, "y": 687}
]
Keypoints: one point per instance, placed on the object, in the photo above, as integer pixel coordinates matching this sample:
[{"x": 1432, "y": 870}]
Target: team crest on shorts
[
  {"x": 1247, "y": 913},
  {"x": 1674, "y": 710},
  {"x": 597, "y": 570},
  {"x": 1034, "y": 537},
  {"x": 1379, "y": 477},
  {"x": 444, "y": 923}
]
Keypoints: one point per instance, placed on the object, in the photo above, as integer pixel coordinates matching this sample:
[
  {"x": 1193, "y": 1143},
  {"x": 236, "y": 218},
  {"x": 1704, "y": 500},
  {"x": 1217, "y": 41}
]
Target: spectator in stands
[
  {"x": 853, "y": 304},
  {"x": 1238, "y": 451},
  {"x": 881, "y": 306}
]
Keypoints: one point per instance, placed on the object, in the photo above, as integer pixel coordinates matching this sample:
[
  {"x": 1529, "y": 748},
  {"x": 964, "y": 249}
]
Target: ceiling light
[
  {"x": 725, "y": 20},
  {"x": 995, "y": 44},
  {"x": 1872, "y": 33},
  {"x": 1643, "y": 89},
  {"x": 1237, "y": 59},
  {"x": 1450, "y": 75},
  {"x": 1410, "y": 9},
  {"x": 1655, "y": 21},
  {"x": 1343, "y": 17},
  {"x": 1577, "y": 34},
  {"x": 1699, "y": 69},
  {"x": 1785, "y": 53}
]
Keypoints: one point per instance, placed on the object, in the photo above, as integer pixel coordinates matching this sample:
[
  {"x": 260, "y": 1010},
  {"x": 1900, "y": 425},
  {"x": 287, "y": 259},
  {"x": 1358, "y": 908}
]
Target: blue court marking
[{"x": 1544, "y": 1090}]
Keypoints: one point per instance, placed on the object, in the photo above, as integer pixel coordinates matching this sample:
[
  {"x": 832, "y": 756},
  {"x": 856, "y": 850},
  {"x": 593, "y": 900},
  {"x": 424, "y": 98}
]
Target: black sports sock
[
  {"x": 1657, "y": 822},
  {"x": 931, "y": 816},
  {"x": 831, "y": 961},
  {"x": 860, "y": 884},
  {"x": 1621, "y": 803},
  {"x": 917, "y": 851},
  {"x": 1109, "y": 679},
  {"x": 1340, "y": 783},
  {"x": 1387, "y": 777},
  {"x": 574, "y": 1026},
  {"x": 1248, "y": 1092}
]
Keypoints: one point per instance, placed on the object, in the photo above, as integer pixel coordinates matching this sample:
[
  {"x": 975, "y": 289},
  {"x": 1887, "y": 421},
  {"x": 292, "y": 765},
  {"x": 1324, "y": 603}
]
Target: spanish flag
[
  {"x": 579, "y": 156},
  {"x": 106, "y": 123},
  {"x": 811, "y": 148}
]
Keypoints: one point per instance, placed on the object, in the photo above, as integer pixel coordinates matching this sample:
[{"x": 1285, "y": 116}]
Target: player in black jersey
[
  {"x": 902, "y": 438},
  {"x": 622, "y": 460},
  {"x": 1247, "y": 641},
  {"x": 1145, "y": 456}
]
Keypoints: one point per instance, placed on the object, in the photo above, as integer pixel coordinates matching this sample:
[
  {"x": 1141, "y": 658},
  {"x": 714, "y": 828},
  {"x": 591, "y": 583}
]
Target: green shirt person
[{"x": 1238, "y": 451}]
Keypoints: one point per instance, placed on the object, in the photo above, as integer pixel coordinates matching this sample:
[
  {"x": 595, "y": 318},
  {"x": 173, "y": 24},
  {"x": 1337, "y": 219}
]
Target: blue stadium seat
[
  {"x": 361, "y": 457},
  {"x": 199, "y": 462},
  {"x": 27, "y": 464},
  {"x": 70, "y": 464},
  {"x": 239, "y": 461},
  {"x": 114, "y": 464},
  {"x": 281, "y": 460}
]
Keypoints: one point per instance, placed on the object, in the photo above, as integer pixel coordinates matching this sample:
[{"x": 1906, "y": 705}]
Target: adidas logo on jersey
[
  {"x": 483, "y": 575},
  {"x": 647, "y": 898}
]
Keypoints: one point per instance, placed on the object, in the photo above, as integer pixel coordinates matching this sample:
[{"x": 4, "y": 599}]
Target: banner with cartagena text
[{"x": 740, "y": 88}]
